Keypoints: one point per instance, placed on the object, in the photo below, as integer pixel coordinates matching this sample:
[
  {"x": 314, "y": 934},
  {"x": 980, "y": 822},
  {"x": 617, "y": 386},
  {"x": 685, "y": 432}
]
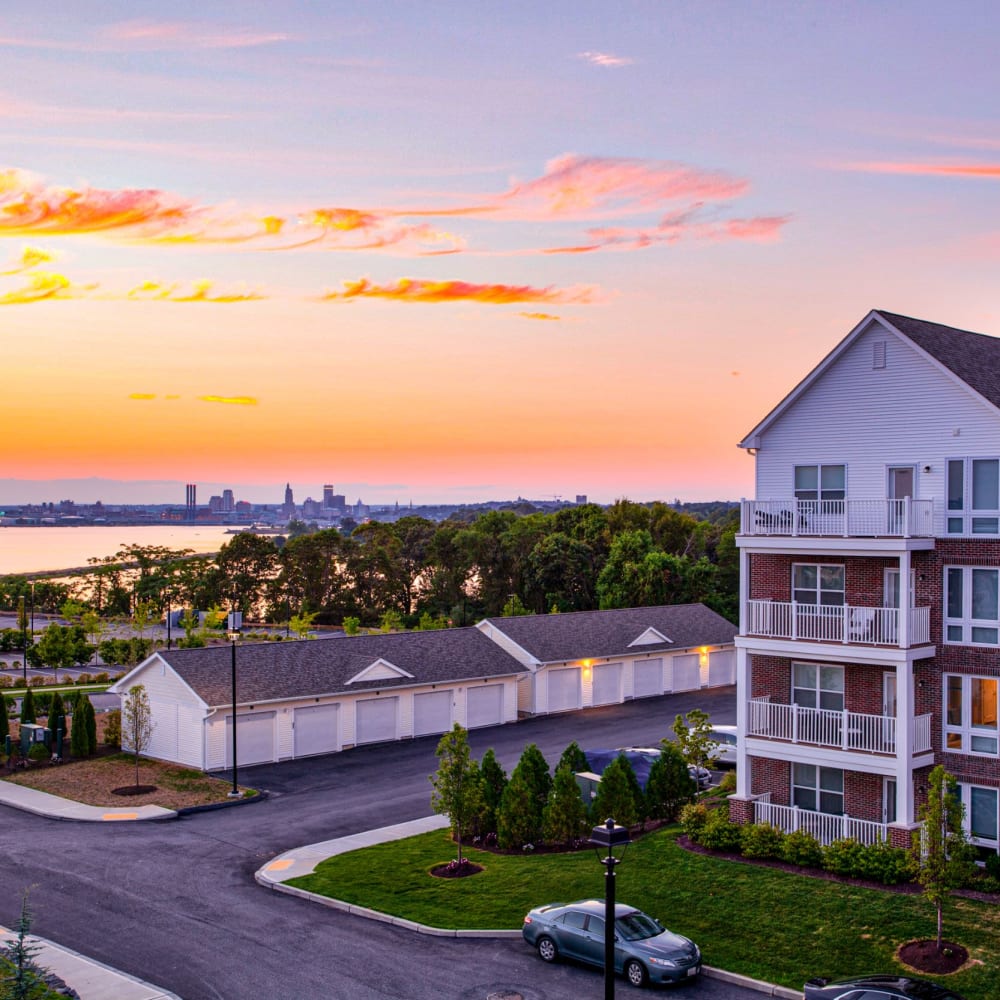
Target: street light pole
[
  {"x": 609, "y": 836},
  {"x": 235, "y": 621},
  {"x": 23, "y": 621},
  {"x": 168, "y": 621}
]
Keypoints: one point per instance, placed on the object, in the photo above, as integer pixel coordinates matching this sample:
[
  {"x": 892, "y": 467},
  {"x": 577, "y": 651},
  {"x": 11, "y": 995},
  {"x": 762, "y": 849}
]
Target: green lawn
[{"x": 772, "y": 925}]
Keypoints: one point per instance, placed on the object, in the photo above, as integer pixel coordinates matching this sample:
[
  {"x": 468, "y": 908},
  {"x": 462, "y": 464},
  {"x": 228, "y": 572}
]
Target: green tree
[
  {"x": 519, "y": 821},
  {"x": 189, "y": 622},
  {"x": 79, "y": 744},
  {"x": 28, "y": 708},
  {"x": 301, "y": 623},
  {"x": 458, "y": 792},
  {"x": 514, "y": 608},
  {"x": 90, "y": 720},
  {"x": 62, "y": 646},
  {"x": 574, "y": 758},
  {"x": 93, "y": 628},
  {"x": 352, "y": 625},
  {"x": 137, "y": 723},
  {"x": 941, "y": 855},
  {"x": 669, "y": 786},
  {"x": 5, "y": 722},
  {"x": 564, "y": 819},
  {"x": 694, "y": 738},
  {"x": 616, "y": 794},
  {"x": 25, "y": 980},
  {"x": 494, "y": 780},
  {"x": 247, "y": 564}
]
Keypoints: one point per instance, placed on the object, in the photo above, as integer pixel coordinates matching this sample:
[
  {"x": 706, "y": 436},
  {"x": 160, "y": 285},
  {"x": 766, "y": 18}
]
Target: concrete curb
[
  {"x": 303, "y": 861},
  {"x": 93, "y": 980},
  {"x": 31, "y": 800}
]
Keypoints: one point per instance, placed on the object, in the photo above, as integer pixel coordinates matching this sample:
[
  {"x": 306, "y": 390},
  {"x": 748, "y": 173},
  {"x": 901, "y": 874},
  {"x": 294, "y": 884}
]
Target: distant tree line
[{"x": 415, "y": 572}]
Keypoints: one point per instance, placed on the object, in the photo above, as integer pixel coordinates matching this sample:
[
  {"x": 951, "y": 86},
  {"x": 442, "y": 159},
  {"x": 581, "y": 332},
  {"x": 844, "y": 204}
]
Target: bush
[
  {"x": 720, "y": 833},
  {"x": 113, "y": 728},
  {"x": 693, "y": 818},
  {"x": 727, "y": 783},
  {"x": 38, "y": 751},
  {"x": 802, "y": 848},
  {"x": 844, "y": 857},
  {"x": 84, "y": 679},
  {"x": 102, "y": 678},
  {"x": 880, "y": 862},
  {"x": 762, "y": 840},
  {"x": 5, "y": 681},
  {"x": 36, "y": 681},
  {"x": 993, "y": 866}
]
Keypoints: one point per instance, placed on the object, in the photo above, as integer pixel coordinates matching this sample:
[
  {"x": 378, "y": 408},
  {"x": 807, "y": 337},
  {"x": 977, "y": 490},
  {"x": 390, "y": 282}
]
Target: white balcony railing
[
  {"x": 825, "y": 827},
  {"x": 827, "y": 728},
  {"x": 903, "y": 518},
  {"x": 836, "y": 623}
]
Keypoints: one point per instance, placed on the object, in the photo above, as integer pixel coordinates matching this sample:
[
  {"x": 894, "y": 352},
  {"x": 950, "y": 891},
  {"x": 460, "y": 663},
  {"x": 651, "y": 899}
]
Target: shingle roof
[
  {"x": 594, "y": 634},
  {"x": 973, "y": 357},
  {"x": 310, "y": 668}
]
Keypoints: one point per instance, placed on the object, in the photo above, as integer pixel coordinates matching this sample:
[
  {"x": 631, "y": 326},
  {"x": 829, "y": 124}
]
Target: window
[
  {"x": 972, "y": 605},
  {"x": 816, "y": 686},
  {"x": 818, "y": 584},
  {"x": 981, "y": 814},
  {"x": 970, "y": 714},
  {"x": 820, "y": 482},
  {"x": 973, "y": 496},
  {"x": 818, "y": 789}
]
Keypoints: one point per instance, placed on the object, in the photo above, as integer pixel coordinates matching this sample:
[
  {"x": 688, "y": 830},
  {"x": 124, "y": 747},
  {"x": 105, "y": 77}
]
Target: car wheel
[
  {"x": 635, "y": 972},
  {"x": 547, "y": 950}
]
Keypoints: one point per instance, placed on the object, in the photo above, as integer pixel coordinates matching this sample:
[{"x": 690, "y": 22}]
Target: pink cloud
[
  {"x": 605, "y": 59},
  {"x": 988, "y": 171},
  {"x": 418, "y": 290},
  {"x": 187, "y": 34}
]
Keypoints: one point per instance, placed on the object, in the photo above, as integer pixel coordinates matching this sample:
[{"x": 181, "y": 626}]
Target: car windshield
[{"x": 637, "y": 926}]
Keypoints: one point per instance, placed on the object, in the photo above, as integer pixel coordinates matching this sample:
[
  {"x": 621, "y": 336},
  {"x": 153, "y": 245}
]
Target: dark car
[
  {"x": 877, "y": 988},
  {"x": 645, "y": 951}
]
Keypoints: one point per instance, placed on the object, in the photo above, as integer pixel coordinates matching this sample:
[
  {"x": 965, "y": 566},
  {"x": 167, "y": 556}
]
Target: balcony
[
  {"x": 905, "y": 518},
  {"x": 822, "y": 727},
  {"x": 825, "y": 827},
  {"x": 841, "y": 623}
]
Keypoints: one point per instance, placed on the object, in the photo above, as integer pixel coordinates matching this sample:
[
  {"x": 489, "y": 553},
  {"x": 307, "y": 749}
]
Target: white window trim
[
  {"x": 967, "y": 623},
  {"x": 817, "y": 788},
  {"x": 966, "y": 730},
  {"x": 965, "y": 792},
  {"x": 819, "y": 689},
  {"x": 819, "y": 567},
  {"x": 968, "y": 512}
]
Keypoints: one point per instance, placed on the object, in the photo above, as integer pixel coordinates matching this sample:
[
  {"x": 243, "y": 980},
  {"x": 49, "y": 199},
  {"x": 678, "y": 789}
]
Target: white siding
[
  {"x": 722, "y": 667},
  {"x": 526, "y": 694},
  {"x": 909, "y": 412}
]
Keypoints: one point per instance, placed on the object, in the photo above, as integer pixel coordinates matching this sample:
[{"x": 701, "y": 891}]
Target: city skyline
[{"x": 544, "y": 251}]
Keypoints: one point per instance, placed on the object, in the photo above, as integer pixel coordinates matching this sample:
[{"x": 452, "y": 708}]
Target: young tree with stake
[
  {"x": 458, "y": 792},
  {"x": 137, "y": 723}
]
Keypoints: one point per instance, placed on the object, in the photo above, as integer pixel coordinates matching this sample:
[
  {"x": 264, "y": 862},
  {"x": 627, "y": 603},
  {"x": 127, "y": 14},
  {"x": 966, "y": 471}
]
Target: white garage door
[
  {"x": 377, "y": 720},
  {"x": 254, "y": 738},
  {"x": 564, "y": 689},
  {"x": 722, "y": 667},
  {"x": 432, "y": 712},
  {"x": 648, "y": 678},
  {"x": 687, "y": 676},
  {"x": 316, "y": 730},
  {"x": 608, "y": 684},
  {"x": 485, "y": 705}
]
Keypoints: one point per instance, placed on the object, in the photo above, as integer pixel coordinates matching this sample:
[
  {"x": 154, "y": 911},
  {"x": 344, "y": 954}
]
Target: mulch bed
[
  {"x": 451, "y": 870},
  {"x": 925, "y": 957},
  {"x": 134, "y": 790}
]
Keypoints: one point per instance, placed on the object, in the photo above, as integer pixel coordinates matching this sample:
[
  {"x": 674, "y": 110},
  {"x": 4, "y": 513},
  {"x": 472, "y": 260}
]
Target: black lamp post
[
  {"x": 23, "y": 618},
  {"x": 235, "y": 621},
  {"x": 609, "y": 836},
  {"x": 168, "y": 621}
]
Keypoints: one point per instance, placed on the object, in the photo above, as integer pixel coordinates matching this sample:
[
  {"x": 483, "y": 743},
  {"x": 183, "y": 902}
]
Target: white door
[
  {"x": 316, "y": 730},
  {"x": 484, "y": 705},
  {"x": 647, "y": 678},
  {"x": 432, "y": 712},
  {"x": 608, "y": 684},
  {"x": 376, "y": 720},
  {"x": 889, "y": 710},
  {"x": 254, "y": 738},
  {"x": 564, "y": 689},
  {"x": 722, "y": 667},
  {"x": 687, "y": 672}
]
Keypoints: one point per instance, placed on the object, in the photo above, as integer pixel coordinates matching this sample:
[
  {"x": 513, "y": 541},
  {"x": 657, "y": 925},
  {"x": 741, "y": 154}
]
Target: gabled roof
[
  {"x": 973, "y": 359},
  {"x": 276, "y": 671},
  {"x": 379, "y": 670},
  {"x": 601, "y": 634}
]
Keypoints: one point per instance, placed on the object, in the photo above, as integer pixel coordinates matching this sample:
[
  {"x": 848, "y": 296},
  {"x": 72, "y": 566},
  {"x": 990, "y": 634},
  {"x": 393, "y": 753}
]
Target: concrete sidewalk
[
  {"x": 53, "y": 807},
  {"x": 92, "y": 980}
]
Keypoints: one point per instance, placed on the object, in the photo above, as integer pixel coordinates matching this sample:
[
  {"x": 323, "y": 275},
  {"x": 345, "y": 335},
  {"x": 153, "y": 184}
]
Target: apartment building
[{"x": 870, "y": 588}]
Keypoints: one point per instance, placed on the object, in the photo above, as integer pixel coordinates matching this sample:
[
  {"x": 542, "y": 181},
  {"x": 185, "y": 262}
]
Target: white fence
[
  {"x": 842, "y": 623},
  {"x": 826, "y": 828},
  {"x": 903, "y": 518},
  {"x": 823, "y": 727}
]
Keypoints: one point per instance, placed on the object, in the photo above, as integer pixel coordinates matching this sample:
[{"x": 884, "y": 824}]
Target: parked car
[
  {"x": 648, "y": 755},
  {"x": 645, "y": 951},
  {"x": 725, "y": 739},
  {"x": 877, "y": 988}
]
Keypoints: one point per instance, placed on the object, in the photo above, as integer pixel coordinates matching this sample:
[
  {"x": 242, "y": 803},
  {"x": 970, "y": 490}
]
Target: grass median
[{"x": 778, "y": 926}]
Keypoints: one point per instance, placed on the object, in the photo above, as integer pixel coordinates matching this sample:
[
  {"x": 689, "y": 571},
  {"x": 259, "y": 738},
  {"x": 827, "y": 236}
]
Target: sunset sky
[{"x": 451, "y": 252}]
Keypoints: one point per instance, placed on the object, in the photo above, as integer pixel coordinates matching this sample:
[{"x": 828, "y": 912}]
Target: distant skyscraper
[
  {"x": 228, "y": 501},
  {"x": 328, "y": 496},
  {"x": 581, "y": 498},
  {"x": 339, "y": 501},
  {"x": 191, "y": 501},
  {"x": 288, "y": 507},
  {"x": 289, "y": 499}
]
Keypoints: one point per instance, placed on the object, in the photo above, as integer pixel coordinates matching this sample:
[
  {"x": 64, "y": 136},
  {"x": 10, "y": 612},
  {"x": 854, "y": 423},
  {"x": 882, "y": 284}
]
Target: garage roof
[
  {"x": 625, "y": 632},
  {"x": 275, "y": 671}
]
